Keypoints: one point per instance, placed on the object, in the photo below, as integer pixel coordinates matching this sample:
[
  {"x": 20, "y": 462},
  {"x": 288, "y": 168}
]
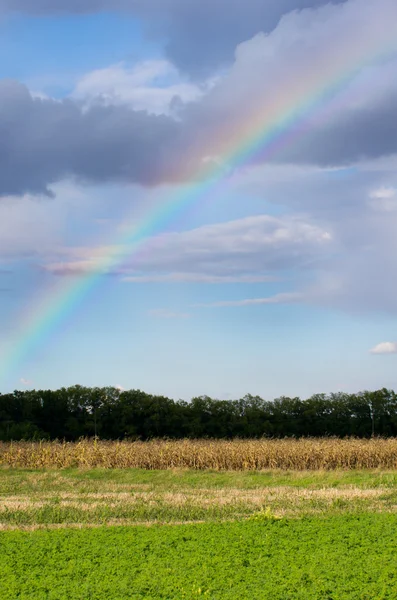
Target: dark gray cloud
[
  {"x": 356, "y": 134},
  {"x": 43, "y": 141},
  {"x": 199, "y": 34}
]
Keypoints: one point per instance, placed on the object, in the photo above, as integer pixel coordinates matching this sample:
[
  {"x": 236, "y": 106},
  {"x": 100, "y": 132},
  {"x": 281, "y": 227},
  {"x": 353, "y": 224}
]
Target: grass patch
[
  {"x": 14, "y": 480},
  {"x": 103, "y": 496},
  {"x": 341, "y": 557}
]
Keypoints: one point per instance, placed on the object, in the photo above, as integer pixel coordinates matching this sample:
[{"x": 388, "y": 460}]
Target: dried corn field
[{"x": 234, "y": 455}]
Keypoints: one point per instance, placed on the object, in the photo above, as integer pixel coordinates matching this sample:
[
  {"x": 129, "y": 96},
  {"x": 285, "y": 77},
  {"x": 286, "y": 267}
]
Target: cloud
[
  {"x": 383, "y": 199},
  {"x": 30, "y": 227},
  {"x": 384, "y": 193},
  {"x": 385, "y": 348},
  {"x": 200, "y": 35},
  {"x": 154, "y": 86},
  {"x": 202, "y": 278},
  {"x": 102, "y": 135},
  {"x": 350, "y": 136},
  {"x": 362, "y": 276},
  {"x": 329, "y": 124},
  {"x": 286, "y": 298},
  {"x": 247, "y": 250},
  {"x": 27, "y": 229},
  {"x": 80, "y": 268},
  {"x": 44, "y": 141},
  {"x": 26, "y": 382},
  {"x": 357, "y": 270},
  {"x": 252, "y": 246},
  {"x": 348, "y": 261},
  {"x": 340, "y": 242}
]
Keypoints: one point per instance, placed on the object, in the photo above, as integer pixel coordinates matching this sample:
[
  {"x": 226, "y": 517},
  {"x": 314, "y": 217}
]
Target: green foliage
[
  {"x": 77, "y": 411},
  {"x": 338, "y": 558}
]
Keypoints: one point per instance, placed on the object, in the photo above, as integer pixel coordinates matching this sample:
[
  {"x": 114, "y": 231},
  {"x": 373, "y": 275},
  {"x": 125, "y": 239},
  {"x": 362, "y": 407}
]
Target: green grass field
[{"x": 183, "y": 534}]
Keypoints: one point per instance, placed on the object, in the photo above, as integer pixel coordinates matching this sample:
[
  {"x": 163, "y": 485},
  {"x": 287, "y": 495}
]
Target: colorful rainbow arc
[{"x": 267, "y": 131}]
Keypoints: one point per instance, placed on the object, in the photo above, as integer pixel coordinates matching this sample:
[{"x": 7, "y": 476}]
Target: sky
[{"x": 198, "y": 197}]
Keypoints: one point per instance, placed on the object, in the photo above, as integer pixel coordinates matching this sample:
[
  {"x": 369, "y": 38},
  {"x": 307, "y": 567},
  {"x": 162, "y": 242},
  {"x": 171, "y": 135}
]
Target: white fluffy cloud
[
  {"x": 385, "y": 348},
  {"x": 246, "y": 250},
  {"x": 153, "y": 85},
  {"x": 383, "y": 199}
]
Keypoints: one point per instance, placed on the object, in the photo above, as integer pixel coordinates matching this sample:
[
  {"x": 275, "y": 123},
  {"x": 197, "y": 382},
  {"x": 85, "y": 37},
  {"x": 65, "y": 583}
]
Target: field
[
  {"x": 31, "y": 499},
  {"x": 341, "y": 557},
  {"x": 236, "y": 455},
  {"x": 118, "y": 533}
]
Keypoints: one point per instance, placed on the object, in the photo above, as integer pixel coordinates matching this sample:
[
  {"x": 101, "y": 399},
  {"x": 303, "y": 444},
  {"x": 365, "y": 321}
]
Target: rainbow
[{"x": 267, "y": 131}]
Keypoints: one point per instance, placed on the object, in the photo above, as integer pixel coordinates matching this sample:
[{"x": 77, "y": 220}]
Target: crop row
[{"x": 298, "y": 454}]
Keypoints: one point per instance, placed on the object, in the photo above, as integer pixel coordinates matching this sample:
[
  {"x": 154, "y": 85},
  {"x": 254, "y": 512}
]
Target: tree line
[{"x": 109, "y": 413}]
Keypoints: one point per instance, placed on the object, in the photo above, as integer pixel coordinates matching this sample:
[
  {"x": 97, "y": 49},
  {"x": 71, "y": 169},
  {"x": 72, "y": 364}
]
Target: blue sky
[
  {"x": 279, "y": 280},
  {"x": 53, "y": 51}
]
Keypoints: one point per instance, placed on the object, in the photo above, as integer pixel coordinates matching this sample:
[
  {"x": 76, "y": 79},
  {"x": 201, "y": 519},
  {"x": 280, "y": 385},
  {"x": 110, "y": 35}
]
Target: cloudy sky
[{"x": 198, "y": 197}]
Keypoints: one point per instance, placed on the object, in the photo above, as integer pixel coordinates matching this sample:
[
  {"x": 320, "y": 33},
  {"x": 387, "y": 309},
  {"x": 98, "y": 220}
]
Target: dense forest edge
[{"x": 109, "y": 413}]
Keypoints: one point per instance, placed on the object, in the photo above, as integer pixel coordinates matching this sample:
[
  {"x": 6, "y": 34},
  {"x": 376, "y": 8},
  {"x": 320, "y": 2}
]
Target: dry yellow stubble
[{"x": 237, "y": 455}]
